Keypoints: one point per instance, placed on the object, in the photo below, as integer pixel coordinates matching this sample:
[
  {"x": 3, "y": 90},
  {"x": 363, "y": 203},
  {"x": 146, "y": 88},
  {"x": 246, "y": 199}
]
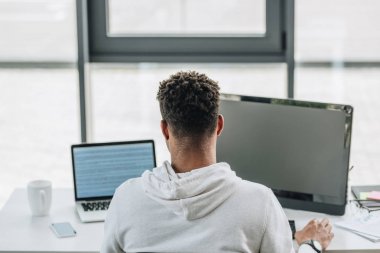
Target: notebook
[
  {"x": 367, "y": 227},
  {"x": 99, "y": 168}
]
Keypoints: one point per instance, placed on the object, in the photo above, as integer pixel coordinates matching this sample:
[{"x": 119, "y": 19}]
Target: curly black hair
[{"x": 189, "y": 103}]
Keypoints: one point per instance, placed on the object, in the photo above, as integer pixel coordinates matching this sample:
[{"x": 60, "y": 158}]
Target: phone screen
[{"x": 63, "y": 229}]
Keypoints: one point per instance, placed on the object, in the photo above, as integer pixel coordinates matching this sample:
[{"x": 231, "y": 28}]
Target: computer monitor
[{"x": 299, "y": 149}]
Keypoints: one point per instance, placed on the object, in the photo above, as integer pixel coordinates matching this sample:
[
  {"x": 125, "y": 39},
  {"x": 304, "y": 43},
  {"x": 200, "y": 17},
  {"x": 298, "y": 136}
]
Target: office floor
[{"x": 39, "y": 116}]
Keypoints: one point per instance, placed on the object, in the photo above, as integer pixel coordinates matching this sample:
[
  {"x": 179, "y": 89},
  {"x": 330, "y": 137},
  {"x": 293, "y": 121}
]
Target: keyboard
[{"x": 96, "y": 206}]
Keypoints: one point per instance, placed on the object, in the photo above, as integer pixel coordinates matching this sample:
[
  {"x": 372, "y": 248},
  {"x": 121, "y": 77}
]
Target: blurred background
[{"x": 337, "y": 52}]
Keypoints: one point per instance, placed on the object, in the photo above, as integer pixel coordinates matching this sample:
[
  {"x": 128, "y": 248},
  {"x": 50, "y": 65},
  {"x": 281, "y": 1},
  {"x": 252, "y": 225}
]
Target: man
[{"x": 193, "y": 203}]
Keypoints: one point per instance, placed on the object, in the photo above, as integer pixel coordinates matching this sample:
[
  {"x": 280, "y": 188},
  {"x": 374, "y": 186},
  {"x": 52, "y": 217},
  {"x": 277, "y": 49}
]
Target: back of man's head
[{"x": 189, "y": 103}]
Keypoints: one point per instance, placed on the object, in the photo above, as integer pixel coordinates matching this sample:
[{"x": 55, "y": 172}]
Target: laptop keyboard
[{"x": 96, "y": 205}]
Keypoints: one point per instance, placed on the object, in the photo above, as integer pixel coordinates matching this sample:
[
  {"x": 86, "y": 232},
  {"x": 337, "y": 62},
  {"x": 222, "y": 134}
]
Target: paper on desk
[
  {"x": 366, "y": 236},
  {"x": 368, "y": 227}
]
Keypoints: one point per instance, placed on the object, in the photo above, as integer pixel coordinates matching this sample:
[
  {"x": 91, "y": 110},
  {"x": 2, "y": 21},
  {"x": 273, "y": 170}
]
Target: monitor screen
[
  {"x": 100, "y": 168},
  {"x": 298, "y": 149}
]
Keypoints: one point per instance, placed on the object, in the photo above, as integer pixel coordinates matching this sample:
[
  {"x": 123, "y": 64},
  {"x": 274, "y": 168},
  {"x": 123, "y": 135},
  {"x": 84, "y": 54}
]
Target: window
[
  {"x": 39, "y": 121},
  {"x": 37, "y": 31},
  {"x": 186, "y": 18},
  {"x": 339, "y": 30},
  {"x": 39, "y": 109},
  {"x": 167, "y": 31}
]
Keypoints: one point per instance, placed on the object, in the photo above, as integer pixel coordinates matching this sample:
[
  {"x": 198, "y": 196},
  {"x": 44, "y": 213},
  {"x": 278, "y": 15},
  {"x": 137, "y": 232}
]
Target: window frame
[{"x": 190, "y": 48}]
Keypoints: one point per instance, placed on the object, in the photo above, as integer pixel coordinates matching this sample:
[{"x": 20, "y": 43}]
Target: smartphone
[{"x": 63, "y": 229}]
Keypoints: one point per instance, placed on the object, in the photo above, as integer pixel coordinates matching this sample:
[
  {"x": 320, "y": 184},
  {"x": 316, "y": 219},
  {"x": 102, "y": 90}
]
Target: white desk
[{"x": 20, "y": 232}]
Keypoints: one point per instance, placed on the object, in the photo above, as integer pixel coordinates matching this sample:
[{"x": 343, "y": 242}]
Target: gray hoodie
[
  {"x": 194, "y": 194},
  {"x": 209, "y": 209}
]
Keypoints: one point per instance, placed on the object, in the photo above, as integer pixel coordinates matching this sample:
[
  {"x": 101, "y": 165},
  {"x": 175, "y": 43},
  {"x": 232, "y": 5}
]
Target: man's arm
[
  {"x": 277, "y": 236},
  {"x": 110, "y": 242}
]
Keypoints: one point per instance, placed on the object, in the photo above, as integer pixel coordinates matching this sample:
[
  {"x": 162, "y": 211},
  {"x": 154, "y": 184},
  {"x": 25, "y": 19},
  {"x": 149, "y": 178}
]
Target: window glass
[
  {"x": 39, "y": 121},
  {"x": 339, "y": 30},
  {"x": 184, "y": 17},
  {"x": 38, "y": 30}
]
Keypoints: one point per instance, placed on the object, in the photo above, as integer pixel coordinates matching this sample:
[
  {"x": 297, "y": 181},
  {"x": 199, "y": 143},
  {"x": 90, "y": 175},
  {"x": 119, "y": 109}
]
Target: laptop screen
[{"x": 100, "y": 168}]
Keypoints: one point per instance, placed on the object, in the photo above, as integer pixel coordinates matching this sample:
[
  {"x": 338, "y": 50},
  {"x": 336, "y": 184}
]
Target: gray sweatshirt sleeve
[
  {"x": 277, "y": 237},
  {"x": 110, "y": 241}
]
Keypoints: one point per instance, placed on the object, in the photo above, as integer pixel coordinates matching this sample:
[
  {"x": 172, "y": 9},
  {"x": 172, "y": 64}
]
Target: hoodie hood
[{"x": 193, "y": 194}]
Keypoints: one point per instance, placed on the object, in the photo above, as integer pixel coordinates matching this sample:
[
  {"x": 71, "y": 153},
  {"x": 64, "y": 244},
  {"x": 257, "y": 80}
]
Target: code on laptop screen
[{"x": 99, "y": 170}]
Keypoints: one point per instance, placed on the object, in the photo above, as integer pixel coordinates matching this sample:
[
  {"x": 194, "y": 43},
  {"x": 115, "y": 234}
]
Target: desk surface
[{"x": 20, "y": 232}]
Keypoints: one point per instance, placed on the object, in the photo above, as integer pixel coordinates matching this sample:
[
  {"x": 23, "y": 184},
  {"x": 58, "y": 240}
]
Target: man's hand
[{"x": 315, "y": 230}]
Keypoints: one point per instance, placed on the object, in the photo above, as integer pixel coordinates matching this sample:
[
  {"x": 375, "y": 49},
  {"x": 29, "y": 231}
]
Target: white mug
[{"x": 39, "y": 196}]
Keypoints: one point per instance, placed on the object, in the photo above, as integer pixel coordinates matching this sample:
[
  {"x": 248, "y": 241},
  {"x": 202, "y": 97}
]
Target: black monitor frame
[{"x": 302, "y": 201}]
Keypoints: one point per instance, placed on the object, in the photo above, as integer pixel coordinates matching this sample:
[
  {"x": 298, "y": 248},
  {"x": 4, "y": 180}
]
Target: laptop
[{"x": 99, "y": 168}]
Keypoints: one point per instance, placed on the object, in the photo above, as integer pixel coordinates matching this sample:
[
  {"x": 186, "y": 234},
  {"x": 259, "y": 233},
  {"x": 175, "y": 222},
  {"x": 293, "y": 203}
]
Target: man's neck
[{"x": 188, "y": 160}]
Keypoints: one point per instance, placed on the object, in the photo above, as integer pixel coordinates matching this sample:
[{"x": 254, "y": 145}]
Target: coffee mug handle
[{"x": 43, "y": 199}]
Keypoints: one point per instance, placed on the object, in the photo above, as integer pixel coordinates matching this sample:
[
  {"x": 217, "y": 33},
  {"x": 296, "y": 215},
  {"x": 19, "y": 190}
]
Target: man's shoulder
[
  {"x": 249, "y": 190},
  {"x": 128, "y": 189},
  {"x": 129, "y": 184},
  {"x": 252, "y": 187}
]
